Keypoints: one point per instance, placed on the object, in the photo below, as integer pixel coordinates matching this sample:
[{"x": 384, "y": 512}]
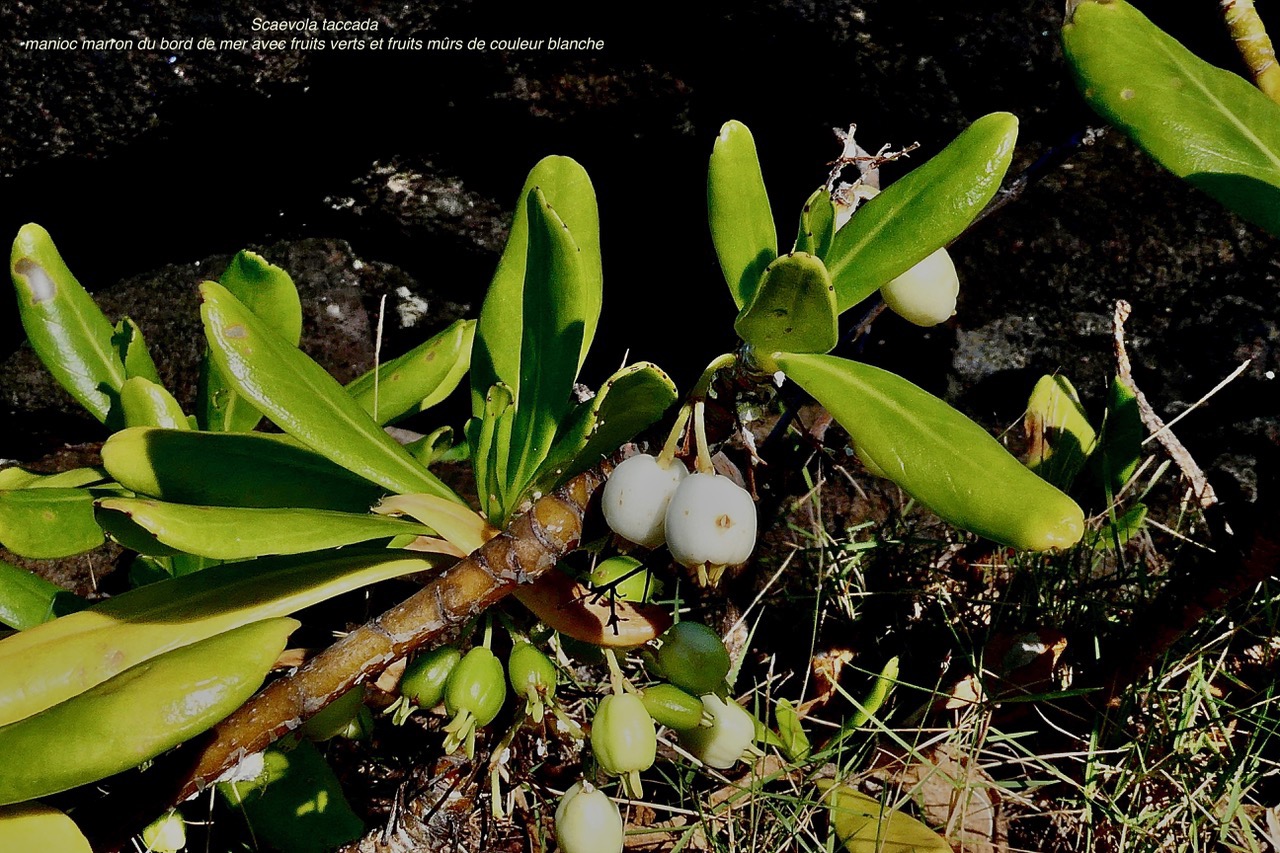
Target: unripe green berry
[
  {"x": 624, "y": 739},
  {"x": 641, "y": 586},
  {"x": 926, "y": 293},
  {"x": 425, "y": 677},
  {"x": 473, "y": 696},
  {"x": 672, "y": 707},
  {"x": 533, "y": 677},
  {"x": 636, "y": 495},
  {"x": 693, "y": 657},
  {"x": 587, "y": 821},
  {"x": 336, "y": 717}
]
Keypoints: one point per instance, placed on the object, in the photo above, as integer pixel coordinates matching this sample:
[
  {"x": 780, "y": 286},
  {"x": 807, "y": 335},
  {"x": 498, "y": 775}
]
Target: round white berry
[
  {"x": 721, "y": 744},
  {"x": 711, "y": 521},
  {"x": 926, "y": 293},
  {"x": 636, "y": 496},
  {"x": 587, "y": 821}
]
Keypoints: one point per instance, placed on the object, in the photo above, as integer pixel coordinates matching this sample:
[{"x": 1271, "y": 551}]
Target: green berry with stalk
[
  {"x": 473, "y": 696},
  {"x": 533, "y": 677}
]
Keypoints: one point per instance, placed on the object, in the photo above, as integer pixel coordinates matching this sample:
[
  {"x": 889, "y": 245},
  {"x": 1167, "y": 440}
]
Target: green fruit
[
  {"x": 926, "y": 293},
  {"x": 623, "y": 739},
  {"x": 426, "y": 675},
  {"x": 693, "y": 657},
  {"x": 533, "y": 676},
  {"x": 473, "y": 696},
  {"x": 587, "y": 821},
  {"x": 336, "y": 718},
  {"x": 641, "y": 586},
  {"x": 672, "y": 707}
]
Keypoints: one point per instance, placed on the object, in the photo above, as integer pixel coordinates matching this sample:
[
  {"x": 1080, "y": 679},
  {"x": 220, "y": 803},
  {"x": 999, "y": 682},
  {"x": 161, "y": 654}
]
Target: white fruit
[
  {"x": 587, "y": 821},
  {"x": 926, "y": 293},
  {"x": 636, "y": 496},
  {"x": 711, "y": 522},
  {"x": 730, "y": 734}
]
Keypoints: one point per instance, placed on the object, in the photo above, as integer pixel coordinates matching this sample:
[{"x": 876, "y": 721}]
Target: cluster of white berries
[{"x": 707, "y": 521}]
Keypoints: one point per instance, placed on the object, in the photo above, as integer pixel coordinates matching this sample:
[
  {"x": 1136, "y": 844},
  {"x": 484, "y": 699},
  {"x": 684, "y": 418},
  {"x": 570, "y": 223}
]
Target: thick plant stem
[
  {"x": 1250, "y": 36},
  {"x": 530, "y": 546}
]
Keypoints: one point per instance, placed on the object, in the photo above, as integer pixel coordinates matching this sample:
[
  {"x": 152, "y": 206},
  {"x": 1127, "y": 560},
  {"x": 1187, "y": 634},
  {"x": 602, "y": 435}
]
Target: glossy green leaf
[
  {"x": 304, "y": 400},
  {"x": 18, "y": 478},
  {"x": 238, "y": 533},
  {"x": 67, "y": 656},
  {"x": 66, "y": 328},
  {"x": 48, "y": 523},
  {"x": 794, "y": 310},
  {"x": 232, "y": 469},
  {"x": 1122, "y": 435},
  {"x": 866, "y": 825},
  {"x": 27, "y": 600},
  {"x": 742, "y": 228},
  {"x": 419, "y": 379},
  {"x": 499, "y": 334},
  {"x": 433, "y": 446},
  {"x": 133, "y": 351},
  {"x": 817, "y": 224},
  {"x": 144, "y": 403},
  {"x": 296, "y": 805},
  {"x": 1059, "y": 436},
  {"x": 1206, "y": 125},
  {"x": 628, "y": 402},
  {"x": 791, "y": 732},
  {"x": 937, "y": 455},
  {"x": 922, "y": 211},
  {"x": 269, "y": 292},
  {"x": 554, "y": 319}
]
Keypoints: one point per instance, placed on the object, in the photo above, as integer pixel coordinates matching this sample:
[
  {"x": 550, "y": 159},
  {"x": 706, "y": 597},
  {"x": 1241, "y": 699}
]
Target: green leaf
[
  {"x": 489, "y": 457},
  {"x": 296, "y": 805},
  {"x": 419, "y": 379},
  {"x": 232, "y": 469},
  {"x": 17, "y": 478},
  {"x": 433, "y": 446},
  {"x": 145, "y": 403},
  {"x": 795, "y": 741},
  {"x": 27, "y": 600},
  {"x": 629, "y": 401},
  {"x": 133, "y": 351},
  {"x": 47, "y": 523},
  {"x": 937, "y": 455},
  {"x": 555, "y": 311},
  {"x": 1121, "y": 441},
  {"x": 239, "y": 533},
  {"x": 1206, "y": 125},
  {"x": 738, "y": 208},
  {"x": 794, "y": 310},
  {"x": 922, "y": 211},
  {"x": 499, "y": 335},
  {"x": 270, "y": 294},
  {"x": 1117, "y": 532},
  {"x": 866, "y": 825},
  {"x": 1059, "y": 435},
  {"x": 817, "y": 224},
  {"x": 69, "y": 655},
  {"x": 66, "y": 328},
  {"x": 305, "y": 401}
]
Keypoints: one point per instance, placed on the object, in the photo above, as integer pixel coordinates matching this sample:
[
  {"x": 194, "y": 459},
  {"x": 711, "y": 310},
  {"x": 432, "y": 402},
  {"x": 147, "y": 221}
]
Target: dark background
[{"x": 144, "y": 164}]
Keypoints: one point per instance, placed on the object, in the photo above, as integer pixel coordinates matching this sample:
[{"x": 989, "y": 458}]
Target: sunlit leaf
[{"x": 742, "y": 227}]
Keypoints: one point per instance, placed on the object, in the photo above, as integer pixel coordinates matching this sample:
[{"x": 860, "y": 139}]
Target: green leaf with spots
[
  {"x": 66, "y": 328},
  {"x": 269, "y": 292},
  {"x": 419, "y": 379},
  {"x": 742, "y": 228},
  {"x": 48, "y": 523},
  {"x": 937, "y": 455},
  {"x": 922, "y": 211},
  {"x": 239, "y": 533},
  {"x": 1060, "y": 438},
  {"x": 794, "y": 310},
  {"x": 1206, "y": 125},
  {"x": 304, "y": 400}
]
